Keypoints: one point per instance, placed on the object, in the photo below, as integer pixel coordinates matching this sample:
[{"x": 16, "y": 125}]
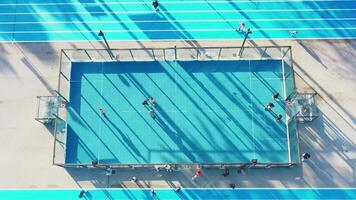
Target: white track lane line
[
  {"x": 182, "y": 11},
  {"x": 175, "y": 30},
  {"x": 169, "y": 2},
  {"x": 184, "y": 20}
]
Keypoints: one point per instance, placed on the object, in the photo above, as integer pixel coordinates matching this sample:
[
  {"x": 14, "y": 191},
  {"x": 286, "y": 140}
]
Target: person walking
[
  {"x": 155, "y": 5},
  {"x": 197, "y": 174},
  {"x": 275, "y": 96},
  {"x": 269, "y": 106},
  {"x": 102, "y": 112},
  {"x": 178, "y": 189},
  {"x": 305, "y": 156},
  {"x": 153, "y": 193},
  {"x": 226, "y": 172},
  {"x": 152, "y": 101},
  {"x": 152, "y": 113},
  {"x": 81, "y": 194},
  {"x": 278, "y": 117},
  {"x": 241, "y": 27},
  {"x": 134, "y": 179}
]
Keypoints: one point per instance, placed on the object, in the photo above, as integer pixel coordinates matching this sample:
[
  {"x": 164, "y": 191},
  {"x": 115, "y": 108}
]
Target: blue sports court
[{"x": 206, "y": 112}]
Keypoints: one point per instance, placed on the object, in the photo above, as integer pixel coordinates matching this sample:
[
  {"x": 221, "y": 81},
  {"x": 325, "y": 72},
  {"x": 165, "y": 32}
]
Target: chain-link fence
[{"x": 283, "y": 53}]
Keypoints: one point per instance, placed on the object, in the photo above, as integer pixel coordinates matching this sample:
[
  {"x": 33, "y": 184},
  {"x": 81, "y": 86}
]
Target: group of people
[
  {"x": 150, "y": 104},
  {"x": 270, "y": 106}
]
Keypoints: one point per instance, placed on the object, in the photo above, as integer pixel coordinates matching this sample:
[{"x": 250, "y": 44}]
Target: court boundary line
[
  {"x": 170, "y": 2},
  {"x": 183, "y": 20},
  {"x": 285, "y": 96},
  {"x": 101, "y": 115},
  {"x": 181, "y": 11},
  {"x": 252, "y": 112},
  {"x": 172, "y": 40}
]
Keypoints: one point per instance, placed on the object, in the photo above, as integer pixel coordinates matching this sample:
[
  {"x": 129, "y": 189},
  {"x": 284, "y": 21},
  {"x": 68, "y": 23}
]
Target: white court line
[
  {"x": 102, "y": 117},
  {"x": 176, "y": 30},
  {"x": 285, "y": 96},
  {"x": 168, "y": 2},
  {"x": 252, "y": 116},
  {"x": 181, "y": 11},
  {"x": 183, "y": 20}
]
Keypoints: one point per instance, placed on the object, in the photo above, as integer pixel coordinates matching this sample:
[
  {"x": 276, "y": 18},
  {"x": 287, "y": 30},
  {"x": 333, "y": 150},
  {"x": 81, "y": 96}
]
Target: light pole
[
  {"x": 243, "y": 43},
  {"x": 108, "y": 173},
  {"x": 101, "y": 34}
]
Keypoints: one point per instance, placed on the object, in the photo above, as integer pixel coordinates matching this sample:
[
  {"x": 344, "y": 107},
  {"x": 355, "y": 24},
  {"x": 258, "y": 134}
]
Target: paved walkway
[{"x": 28, "y": 70}]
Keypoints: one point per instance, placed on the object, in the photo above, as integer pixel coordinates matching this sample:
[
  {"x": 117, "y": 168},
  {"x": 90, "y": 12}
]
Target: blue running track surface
[
  {"x": 186, "y": 194},
  {"x": 67, "y": 20}
]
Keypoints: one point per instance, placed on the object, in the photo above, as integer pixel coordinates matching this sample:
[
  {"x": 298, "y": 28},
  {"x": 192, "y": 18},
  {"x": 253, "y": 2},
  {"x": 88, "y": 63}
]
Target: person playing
[
  {"x": 275, "y": 96},
  {"x": 269, "y": 106},
  {"x": 242, "y": 27},
  {"x": 144, "y": 103},
  {"x": 102, "y": 111},
  {"x": 152, "y": 101},
  {"x": 155, "y": 5},
  {"x": 152, "y": 113},
  {"x": 278, "y": 117}
]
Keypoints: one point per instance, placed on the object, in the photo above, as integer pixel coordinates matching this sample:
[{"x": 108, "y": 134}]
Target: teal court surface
[
  {"x": 183, "y": 194},
  {"x": 206, "y": 112},
  {"x": 78, "y": 20}
]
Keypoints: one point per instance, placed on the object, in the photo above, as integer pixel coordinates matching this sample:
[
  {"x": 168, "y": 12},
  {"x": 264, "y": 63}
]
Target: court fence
[{"x": 68, "y": 56}]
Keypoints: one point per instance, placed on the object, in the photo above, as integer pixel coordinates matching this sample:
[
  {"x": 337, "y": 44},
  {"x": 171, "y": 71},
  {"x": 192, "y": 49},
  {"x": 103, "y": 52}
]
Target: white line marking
[
  {"x": 183, "y": 20},
  {"x": 252, "y": 116},
  {"x": 168, "y": 2},
  {"x": 182, "y": 11},
  {"x": 174, "y": 30},
  {"x": 285, "y": 96}
]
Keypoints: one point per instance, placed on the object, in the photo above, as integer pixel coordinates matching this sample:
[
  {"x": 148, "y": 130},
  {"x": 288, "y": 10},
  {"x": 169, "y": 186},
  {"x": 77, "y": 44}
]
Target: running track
[{"x": 66, "y": 20}]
